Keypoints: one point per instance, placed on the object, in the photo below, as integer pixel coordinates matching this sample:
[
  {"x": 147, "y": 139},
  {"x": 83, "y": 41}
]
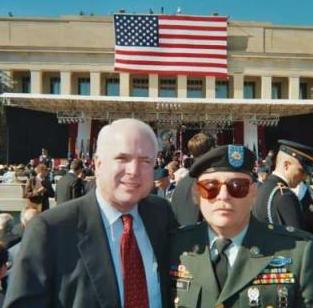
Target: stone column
[
  {"x": 238, "y": 86},
  {"x": 153, "y": 85},
  {"x": 182, "y": 86},
  {"x": 266, "y": 87},
  {"x": 294, "y": 86},
  {"x": 35, "y": 82},
  {"x": 124, "y": 84},
  {"x": 95, "y": 83},
  {"x": 210, "y": 87},
  {"x": 66, "y": 83}
]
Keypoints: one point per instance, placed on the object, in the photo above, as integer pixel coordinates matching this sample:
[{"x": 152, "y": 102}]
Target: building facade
[{"x": 65, "y": 67}]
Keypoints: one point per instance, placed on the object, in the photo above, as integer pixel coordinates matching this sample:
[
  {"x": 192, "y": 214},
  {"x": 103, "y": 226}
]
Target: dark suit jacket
[
  {"x": 190, "y": 256},
  {"x": 65, "y": 258},
  {"x": 184, "y": 207},
  {"x": 69, "y": 187},
  {"x": 286, "y": 207}
]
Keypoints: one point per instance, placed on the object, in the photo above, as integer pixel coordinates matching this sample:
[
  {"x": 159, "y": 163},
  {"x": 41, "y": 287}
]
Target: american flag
[{"x": 171, "y": 44}]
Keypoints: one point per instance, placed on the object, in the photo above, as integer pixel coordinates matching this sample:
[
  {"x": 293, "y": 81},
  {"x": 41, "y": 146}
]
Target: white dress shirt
[{"x": 114, "y": 228}]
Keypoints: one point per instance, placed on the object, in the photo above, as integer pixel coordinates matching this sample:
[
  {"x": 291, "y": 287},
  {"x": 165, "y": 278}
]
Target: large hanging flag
[{"x": 171, "y": 44}]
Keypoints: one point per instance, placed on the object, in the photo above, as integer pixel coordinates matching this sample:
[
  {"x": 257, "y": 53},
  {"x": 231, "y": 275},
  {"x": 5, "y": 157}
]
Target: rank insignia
[
  {"x": 253, "y": 296},
  {"x": 235, "y": 155},
  {"x": 280, "y": 261}
]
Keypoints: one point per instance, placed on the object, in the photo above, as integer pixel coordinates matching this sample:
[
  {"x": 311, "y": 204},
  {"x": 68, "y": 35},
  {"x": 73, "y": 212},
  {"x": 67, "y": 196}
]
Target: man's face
[
  {"x": 294, "y": 172},
  {"x": 226, "y": 214},
  {"x": 124, "y": 168}
]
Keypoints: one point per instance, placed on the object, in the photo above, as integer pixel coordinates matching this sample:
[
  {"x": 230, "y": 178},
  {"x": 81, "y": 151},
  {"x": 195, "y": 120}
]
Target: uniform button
[
  {"x": 271, "y": 227},
  {"x": 255, "y": 251},
  {"x": 290, "y": 229}
]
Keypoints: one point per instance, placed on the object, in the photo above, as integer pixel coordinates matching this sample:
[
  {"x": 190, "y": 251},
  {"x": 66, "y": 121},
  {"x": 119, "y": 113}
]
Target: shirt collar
[
  {"x": 236, "y": 240},
  {"x": 111, "y": 214}
]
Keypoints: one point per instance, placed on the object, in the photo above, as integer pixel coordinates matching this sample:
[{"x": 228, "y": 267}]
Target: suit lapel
[
  {"x": 95, "y": 252},
  {"x": 250, "y": 261}
]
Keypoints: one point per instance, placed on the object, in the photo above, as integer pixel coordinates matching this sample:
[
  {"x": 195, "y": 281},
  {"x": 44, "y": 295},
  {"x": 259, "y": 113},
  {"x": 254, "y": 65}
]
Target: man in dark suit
[
  {"x": 70, "y": 186},
  {"x": 276, "y": 202},
  {"x": 231, "y": 259},
  {"x": 184, "y": 206},
  {"x": 108, "y": 248}
]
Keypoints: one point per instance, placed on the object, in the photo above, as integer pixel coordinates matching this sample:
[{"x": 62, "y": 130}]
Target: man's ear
[
  {"x": 98, "y": 162},
  {"x": 287, "y": 163}
]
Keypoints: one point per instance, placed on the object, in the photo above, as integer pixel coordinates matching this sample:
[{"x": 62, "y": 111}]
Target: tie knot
[
  {"x": 221, "y": 244},
  {"x": 127, "y": 220}
]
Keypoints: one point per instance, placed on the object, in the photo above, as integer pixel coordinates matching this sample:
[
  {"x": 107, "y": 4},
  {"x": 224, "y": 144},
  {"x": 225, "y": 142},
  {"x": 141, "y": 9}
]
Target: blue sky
[{"x": 289, "y": 12}]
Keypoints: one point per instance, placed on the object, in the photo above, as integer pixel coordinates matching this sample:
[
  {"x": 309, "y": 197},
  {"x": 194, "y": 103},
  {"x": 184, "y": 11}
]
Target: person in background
[
  {"x": 163, "y": 187},
  {"x": 45, "y": 159},
  {"x": 183, "y": 204},
  {"x": 39, "y": 189},
  {"x": 7, "y": 235},
  {"x": 231, "y": 259},
  {"x": 108, "y": 248},
  {"x": 276, "y": 202},
  {"x": 9, "y": 176},
  {"x": 172, "y": 167},
  {"x": 71, "y": 185},
  {"x": 26, "y": 216}
]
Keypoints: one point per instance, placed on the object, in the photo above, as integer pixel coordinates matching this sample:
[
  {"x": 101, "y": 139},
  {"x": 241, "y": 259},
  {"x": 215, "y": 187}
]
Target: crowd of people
[{"x": 216, "y": 229}]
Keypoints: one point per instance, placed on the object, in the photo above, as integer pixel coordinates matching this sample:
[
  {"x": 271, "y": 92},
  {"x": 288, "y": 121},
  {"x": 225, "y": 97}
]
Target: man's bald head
[{"x": 105, "y": 137}]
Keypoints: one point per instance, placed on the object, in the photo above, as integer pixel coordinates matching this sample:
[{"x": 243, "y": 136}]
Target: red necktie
[{"x": 135, "y": 287}]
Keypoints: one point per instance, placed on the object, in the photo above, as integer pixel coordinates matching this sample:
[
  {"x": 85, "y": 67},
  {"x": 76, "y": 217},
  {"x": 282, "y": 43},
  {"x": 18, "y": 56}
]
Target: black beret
[
  {"x": 303, "y": 153},
  {"x": 160, "y": 173},
  {"x": 234, "y": 158}
]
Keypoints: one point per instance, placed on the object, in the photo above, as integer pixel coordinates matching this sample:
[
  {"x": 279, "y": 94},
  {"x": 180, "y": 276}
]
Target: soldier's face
[
  {"x": 124, "y": 169},
  {"x": 227, "y": 215},
  {"x": 295, "y": 173}
]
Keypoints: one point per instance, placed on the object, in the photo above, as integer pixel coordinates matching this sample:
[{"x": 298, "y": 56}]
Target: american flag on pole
[{"x": 171, "y": 44}]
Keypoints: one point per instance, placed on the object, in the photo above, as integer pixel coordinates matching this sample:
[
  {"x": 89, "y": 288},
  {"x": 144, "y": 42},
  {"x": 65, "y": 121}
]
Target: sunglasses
[{"x": 237, "y": 188}]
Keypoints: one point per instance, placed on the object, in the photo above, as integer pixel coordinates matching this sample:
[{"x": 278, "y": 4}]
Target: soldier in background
[
  {"x": 231, "y": 259},
  {"x": 276, "y": 202}
]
